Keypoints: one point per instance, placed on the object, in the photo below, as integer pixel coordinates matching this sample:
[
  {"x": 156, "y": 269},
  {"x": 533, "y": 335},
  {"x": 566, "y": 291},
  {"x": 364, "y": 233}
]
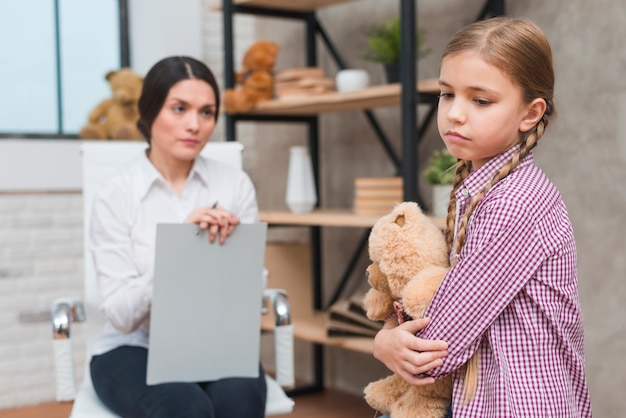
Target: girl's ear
[{"x": 534, "y": 113}]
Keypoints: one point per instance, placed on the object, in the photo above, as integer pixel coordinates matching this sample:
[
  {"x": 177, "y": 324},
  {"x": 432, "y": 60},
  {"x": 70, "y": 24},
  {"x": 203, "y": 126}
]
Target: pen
[{"x": 213, "y": 206}]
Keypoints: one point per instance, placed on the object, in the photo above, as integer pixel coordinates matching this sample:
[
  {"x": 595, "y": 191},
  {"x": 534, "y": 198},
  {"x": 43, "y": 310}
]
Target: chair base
[{"x": 88, "y": 405}]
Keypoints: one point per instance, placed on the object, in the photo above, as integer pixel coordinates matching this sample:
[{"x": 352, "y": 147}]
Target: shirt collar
[
  {"x": 477, "y": 180},
  {"x": 149, "y": 175}
]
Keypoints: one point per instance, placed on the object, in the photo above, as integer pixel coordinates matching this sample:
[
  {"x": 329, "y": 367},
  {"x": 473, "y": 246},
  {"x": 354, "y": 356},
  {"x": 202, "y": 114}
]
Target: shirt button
[{"x": 464, "y": 192}]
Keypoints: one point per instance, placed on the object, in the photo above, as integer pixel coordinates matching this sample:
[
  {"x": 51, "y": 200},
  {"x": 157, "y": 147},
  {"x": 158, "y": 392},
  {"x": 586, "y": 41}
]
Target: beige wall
[{"x": 583, "y": 152}]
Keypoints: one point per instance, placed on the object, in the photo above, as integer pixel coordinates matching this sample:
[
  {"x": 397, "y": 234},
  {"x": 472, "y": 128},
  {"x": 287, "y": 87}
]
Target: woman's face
[{"x": 186, "y": 121}]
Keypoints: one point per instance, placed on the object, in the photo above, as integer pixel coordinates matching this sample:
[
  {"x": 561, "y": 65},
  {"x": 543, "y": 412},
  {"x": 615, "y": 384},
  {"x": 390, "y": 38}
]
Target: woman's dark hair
[{"x": 160, "y": 79}]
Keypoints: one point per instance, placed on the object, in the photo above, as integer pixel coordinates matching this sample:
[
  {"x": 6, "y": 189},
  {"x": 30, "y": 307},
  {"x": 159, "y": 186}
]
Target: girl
[
  {"x": 512, "y": 292},
  {"x": 178, "y": 110}
]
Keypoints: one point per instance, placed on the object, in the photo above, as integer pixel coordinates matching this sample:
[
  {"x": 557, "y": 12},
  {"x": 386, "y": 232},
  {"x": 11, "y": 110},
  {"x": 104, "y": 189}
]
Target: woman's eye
[
  {"x": 482, "y": 102},
  {"x": 444, "y": 96},
  {"x": 178, "y": 109},
  {"x": 208, "y": 112}
]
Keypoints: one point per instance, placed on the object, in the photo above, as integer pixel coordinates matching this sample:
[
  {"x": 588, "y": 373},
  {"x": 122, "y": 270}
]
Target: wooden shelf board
[
  {"x": 313, "y": 329},
  {"x": 326, "y": 217},
  {"x": 320, "y": 217},
  {"x": 372, "y": 97},
  {"x": 295, "y": 5}
]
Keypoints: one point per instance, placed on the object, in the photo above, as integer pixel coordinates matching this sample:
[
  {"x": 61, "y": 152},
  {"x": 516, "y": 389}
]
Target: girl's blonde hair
[{"x": 519, "y": 49}]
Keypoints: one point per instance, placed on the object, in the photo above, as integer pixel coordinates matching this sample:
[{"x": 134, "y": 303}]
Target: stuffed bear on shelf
[
  {"x": 116, "y": 117},
  {"x": 255, "y": 82}
]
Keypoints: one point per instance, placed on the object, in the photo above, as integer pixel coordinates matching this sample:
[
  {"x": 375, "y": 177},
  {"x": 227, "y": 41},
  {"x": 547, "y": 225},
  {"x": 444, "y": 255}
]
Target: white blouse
[{"x": 123, "y": 235}]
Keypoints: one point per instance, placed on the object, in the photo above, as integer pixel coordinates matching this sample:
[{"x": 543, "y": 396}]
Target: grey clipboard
[{"x": 205, "y": 318}]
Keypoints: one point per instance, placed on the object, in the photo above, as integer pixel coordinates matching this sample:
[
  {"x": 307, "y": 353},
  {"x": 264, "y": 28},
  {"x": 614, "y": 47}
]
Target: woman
[{"x": 171, "y": 183}]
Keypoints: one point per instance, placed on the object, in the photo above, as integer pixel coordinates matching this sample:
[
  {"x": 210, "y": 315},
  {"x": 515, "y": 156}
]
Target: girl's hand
[
  {"x": 407, "y": 355},
  {"x": 216, "y": 219}
]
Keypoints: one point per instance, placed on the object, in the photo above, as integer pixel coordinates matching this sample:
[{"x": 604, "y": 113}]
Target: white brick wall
[{"x": 41, "y": 259}]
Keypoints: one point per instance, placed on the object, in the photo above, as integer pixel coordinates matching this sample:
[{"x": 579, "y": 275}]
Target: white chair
[{"x": 100, "y": 159}]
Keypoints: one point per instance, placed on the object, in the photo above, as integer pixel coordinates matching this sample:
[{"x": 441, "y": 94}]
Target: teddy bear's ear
[
  {"x": 400, "y": 220},
  {"x": 109, "y": 75}
]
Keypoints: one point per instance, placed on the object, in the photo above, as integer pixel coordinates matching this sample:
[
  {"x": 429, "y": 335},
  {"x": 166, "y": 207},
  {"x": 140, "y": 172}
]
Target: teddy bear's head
[
  {"x": 401, "y": 244},
  {"x": 125, "y": 86},
  {"x": 261, "y": 56}
]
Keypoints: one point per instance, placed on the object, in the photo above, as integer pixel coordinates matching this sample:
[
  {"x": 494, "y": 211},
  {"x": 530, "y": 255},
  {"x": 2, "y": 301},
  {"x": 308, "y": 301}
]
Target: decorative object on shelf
[
  {"x": 352, "y": 80},
  {"x": 409, "y": 260},
  {"x": 383, "y": 45},
  {"x": 255, "y": 82},
  {"x": 376, "y": 195},
  {"x": 302, "y": 81},
  {"x": 347, "y": 318},
  {"x": 116, "y": 117},
  {"x": 440, "y": 173},
  {"x": 301, "y": 196}
]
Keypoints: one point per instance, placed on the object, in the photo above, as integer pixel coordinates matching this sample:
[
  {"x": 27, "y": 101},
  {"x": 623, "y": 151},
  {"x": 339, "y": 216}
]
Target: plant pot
[
  {"x": 441, "y": 198},
  {"x": 392, "y": 73}
]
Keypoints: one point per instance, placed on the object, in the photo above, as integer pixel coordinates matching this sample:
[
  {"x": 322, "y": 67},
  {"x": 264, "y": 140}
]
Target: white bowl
[{"x": 351, "y": 80}]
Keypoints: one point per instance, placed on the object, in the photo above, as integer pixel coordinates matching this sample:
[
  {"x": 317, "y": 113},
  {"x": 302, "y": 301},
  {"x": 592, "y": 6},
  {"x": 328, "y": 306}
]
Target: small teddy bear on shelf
[
  {"x": 116, "y": 117},
  {"x": 409, "y": 261},
  {"x": 255, "y": 82}
]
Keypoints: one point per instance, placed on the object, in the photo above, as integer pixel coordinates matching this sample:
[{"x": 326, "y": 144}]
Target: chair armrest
[
  {"x": 63, "y": 313},
  {"x": 283, "y": 336},
  {"x": 280, "y": 303}
]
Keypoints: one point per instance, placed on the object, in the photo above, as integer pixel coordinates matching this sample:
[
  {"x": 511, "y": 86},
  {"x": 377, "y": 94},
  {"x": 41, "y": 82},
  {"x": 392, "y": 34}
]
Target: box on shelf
[
  {"x": 376, "y": 195},
  {"x": 302, "y": 81}
]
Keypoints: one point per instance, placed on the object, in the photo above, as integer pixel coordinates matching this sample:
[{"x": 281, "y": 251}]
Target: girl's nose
[{"x": 456, "y": 112}]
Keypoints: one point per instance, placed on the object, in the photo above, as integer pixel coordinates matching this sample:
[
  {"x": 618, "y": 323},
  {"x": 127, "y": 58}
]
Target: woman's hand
[
  {"x": 216, "y": 219},
  {"x": 408, "y": 356}
]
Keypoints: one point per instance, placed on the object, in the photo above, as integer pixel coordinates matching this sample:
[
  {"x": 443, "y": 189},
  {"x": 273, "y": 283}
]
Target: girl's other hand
[
  {"x": 216, "y": 219},
  {"x": 407, "y": 355}
]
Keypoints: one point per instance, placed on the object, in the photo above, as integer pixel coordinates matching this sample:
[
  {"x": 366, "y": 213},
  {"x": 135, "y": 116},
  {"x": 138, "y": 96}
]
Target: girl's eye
[
  {"x": 208, "y": 112},
  {"x": 178, "y": 109},
  {"x": 482, "y": 102},
  {"x": 444, "y": 96}
]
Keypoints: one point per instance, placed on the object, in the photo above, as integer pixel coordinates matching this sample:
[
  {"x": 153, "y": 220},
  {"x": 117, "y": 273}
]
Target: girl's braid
[{"x": 461, "y": 172}]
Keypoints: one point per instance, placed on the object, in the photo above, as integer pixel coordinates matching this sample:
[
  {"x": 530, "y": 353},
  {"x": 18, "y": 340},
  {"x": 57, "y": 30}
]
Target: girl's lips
[
  {"x": 189, "y": 141},
  {"x": 455, "y": 136}
]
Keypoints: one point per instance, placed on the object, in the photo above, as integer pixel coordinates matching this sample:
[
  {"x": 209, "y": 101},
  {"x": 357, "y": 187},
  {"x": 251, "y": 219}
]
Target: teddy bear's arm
[
  {"x": 418, "y": 293},
  {"x": 378, "y": 305},
  {"x": 100, "y": 111}
]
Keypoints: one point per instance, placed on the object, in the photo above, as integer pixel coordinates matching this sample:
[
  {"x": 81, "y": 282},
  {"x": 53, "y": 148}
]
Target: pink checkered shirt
[{"x": 513, "y": 296}]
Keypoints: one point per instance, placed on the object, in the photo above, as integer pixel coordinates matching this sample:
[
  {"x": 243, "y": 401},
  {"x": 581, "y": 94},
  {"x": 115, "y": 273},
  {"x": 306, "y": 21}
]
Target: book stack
[
  {"x": 302, "y": 81},
  {"x": 347, "y": 319},
  {"x": 376, "y": 195}
]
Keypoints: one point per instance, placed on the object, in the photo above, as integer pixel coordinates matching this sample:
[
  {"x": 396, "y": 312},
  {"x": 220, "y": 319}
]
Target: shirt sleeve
[
  {"x": 502, "y": 253},
  {"x": 248, "y": 207},
  {"x": 126, "y": 295}
]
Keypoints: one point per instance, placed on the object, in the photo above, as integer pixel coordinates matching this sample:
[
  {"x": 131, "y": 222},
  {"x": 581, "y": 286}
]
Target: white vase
[
  {"x": 301, "y": 196},
  {"x": 441, "y": 198}
]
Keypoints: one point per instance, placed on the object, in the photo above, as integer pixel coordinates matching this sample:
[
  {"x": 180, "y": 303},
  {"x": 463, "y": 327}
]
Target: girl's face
[
  {"x": 481, "y": 111},
  {"x": 185, "y": 123}
]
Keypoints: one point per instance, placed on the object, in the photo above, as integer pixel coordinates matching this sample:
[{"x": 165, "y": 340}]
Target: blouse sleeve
[
  {"x": 501, "y": 255},
  {"x": 248, "y": 208},
  {"x": 126, "y": 295}
]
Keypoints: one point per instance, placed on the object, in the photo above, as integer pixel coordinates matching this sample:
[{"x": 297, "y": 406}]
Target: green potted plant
[
  {"x": 383, "y": 45},
  {"x": 440, "y": 174}
]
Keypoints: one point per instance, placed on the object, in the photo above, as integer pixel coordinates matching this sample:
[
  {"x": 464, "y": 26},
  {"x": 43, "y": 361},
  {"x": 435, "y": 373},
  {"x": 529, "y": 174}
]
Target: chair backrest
[{"x": 100, "y": 161}]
